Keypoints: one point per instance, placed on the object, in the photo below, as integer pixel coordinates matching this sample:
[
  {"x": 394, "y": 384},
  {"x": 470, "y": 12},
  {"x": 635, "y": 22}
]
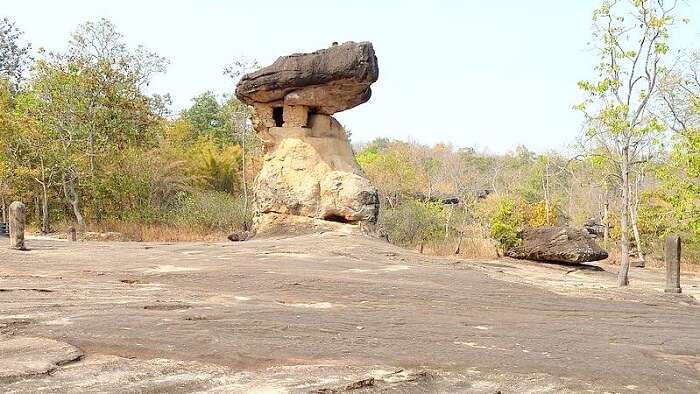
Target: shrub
[
  {"x": 506, "y": 224},
  {"x": 536, "y": 214},
  {"x": 212, "y": 210},
  {"x": 413, "y": 222}
]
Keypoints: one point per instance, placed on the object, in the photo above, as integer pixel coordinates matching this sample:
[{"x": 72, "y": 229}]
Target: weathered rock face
[
  {"x": 557, "y": 244},
  {"x": 311, "y": 172},
  {"x": 309, "y": 175},
  {"x": 328, "y": 81}
]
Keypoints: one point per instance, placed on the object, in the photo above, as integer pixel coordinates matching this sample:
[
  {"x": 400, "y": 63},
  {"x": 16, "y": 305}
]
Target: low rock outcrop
[
  {"x": 557, "y": 244},
  {"x": 309, "y": 174}
]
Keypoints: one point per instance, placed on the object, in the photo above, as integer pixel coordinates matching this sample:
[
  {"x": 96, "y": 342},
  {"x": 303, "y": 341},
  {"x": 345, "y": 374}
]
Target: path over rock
[{"x": 289, "y": 313}]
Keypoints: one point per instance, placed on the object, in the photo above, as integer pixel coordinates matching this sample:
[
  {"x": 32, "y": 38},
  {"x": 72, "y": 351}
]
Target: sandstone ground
[{"x": 330, "y": 313}]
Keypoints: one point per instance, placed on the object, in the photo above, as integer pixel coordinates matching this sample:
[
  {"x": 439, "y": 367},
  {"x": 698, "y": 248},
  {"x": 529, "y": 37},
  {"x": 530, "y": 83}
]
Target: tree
[
  {"x": 240, "y": 118},
  {"x": 631, "y": 51},
  {"x": 680, "y": 98},
  {"x": 389, "y": 166},
  {"x": 14, "y": 56},
  {"x": 35, "y": 151},
  {"x": 93, "y": 105},
  {"x": 206, "y": 116}
]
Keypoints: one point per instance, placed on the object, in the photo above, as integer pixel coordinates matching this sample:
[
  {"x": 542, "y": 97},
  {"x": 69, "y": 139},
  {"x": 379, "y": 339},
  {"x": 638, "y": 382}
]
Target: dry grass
[
  {"x": 470, "y": 248},
  {"x": 157, "y": 232},
  {"x": 654, "y": 262}
]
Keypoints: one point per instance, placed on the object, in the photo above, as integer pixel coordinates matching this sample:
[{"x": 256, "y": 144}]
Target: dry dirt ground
[{"x": 332, "y": 313}]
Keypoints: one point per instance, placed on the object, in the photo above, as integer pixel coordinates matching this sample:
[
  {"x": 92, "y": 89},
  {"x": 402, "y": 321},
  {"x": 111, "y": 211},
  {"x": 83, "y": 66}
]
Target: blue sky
[{"x": 485, "y": 74}]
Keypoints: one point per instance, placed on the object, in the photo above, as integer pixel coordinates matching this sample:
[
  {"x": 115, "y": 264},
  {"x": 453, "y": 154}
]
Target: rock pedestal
[
  {"x": 673, "y": 264},
  {"x": 309, "y": 178},
  {"x": 18, "y": 218}
]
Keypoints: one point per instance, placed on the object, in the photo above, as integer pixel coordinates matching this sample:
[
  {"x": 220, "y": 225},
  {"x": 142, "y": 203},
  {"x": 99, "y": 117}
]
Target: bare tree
[
  {"x": 241, "y": 121},
  {"x": 14, "y": 55}
]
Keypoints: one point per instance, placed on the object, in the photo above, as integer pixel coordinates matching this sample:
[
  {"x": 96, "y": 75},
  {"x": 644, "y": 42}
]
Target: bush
[
  {"x": 506, "y": 224},
  {"x": 506, "y": 217},
  {"x": 535, "y": 214},
  {"x": 413, "y": 222},
  {"x": 212, "y": 210}
]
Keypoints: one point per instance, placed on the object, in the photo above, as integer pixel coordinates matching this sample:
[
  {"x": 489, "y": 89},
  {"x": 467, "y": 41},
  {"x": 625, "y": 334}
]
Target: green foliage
[
  {"x": 507, "y": 216},
  {"x": 506, "y": 224},
  {"x": 539, "y": 214},
  {"x": 654, "y": 219},
  {"x": 83, "y": 131},
  {"x": 387, "y": 166},
  {"x": 413, "y": 222},
  {"x": 219, "y": 169},
  {"x": 206, "y": 117},
  {"x": 211, "y": 210}
]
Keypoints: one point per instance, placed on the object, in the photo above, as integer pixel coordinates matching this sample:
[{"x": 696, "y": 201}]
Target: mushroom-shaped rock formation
[{"x": 310, "y": 179}]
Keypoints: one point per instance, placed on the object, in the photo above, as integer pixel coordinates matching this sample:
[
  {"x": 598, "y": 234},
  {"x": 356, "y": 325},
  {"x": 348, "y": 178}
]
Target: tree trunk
[
  {"x": 78, "y": 216},
  {"x": 545, "y": 187},
  {"x": 461, "y": 230},
  {"x": 74, "y": 201},
  {"x": 622, "y": 278},
  {"x": 4, "y": 210},
  {"x": 447, "y": 222},
  {"x": 37, "y": 208},
  {"x": 637, "y": 239},
  {"x": 45, "y": 224},
  {"x": 245, "y": 187},
  {"x": 634, "y": 209},
  {"x": 606, "y": 221}
]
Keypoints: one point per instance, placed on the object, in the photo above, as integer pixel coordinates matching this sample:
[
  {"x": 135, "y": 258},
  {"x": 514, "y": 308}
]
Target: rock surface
[
  {"x": 22, "y": 357},
  {"x": 330, "y": 80},
  {"x": 557, "y": 244},
  {"x": 321, "y": 312},
  {"x": 309, "y": 173},
  {"x": 312, "y": 172}
]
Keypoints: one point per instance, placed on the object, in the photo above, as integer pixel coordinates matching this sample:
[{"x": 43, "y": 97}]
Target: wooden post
[
  {"x": 72, "y": 234},
  {"x": 673, "y": 264},
  {"x": 18, "y": 218}
]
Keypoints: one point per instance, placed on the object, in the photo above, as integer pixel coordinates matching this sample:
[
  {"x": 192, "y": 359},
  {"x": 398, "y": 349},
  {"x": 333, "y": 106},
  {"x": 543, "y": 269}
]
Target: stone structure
[
  {"x": 309, "y": 176},
  {"x": 673, "y": 264},
  {"x": 557, "y": 244},
  {"x": 18, "y": 218}
]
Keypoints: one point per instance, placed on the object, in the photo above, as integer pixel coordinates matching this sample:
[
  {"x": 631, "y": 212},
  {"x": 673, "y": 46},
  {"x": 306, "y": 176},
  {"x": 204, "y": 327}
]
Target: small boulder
[
  {"x": 239, "y": 236},
  {"x": 557, "y": 244}
]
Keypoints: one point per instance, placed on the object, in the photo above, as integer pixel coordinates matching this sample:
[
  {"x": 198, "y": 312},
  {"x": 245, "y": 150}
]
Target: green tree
[
  {"x": 391, "y": 169},
  {"x": 92, "y": 104},
  {"x": 207, "y": 118},
  {"x": 631, "y": 41},
  {"x": 680, "y": 174}
]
